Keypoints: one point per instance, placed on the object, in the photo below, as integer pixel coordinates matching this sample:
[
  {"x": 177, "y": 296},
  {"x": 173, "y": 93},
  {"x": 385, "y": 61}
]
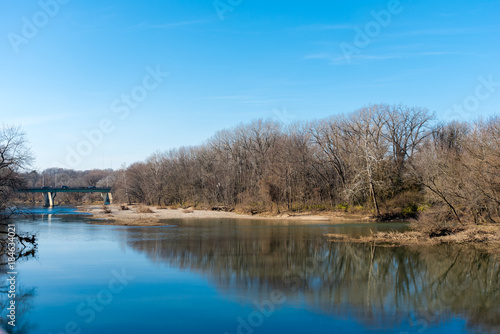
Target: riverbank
[
  {"x": 139, "y": 215},
  {"x": 485, "y": 237}
]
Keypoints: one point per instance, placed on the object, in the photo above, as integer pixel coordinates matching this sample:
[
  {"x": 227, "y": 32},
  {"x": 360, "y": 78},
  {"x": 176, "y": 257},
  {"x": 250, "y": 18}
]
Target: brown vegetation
[
  {"x": 143, "y": 209},
  {"x": 485, "y": 237},
  {"x": 15, "y": 157},
  {"x": 106, "y": 209},
  {"x": 358, "y": 160},
  {"x": 391, "y": 162},
  {"x": 460, "y": 170}
]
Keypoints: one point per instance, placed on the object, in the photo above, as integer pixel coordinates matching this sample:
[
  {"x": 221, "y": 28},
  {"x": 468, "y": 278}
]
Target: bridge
[{"x": 49, "y": 193}]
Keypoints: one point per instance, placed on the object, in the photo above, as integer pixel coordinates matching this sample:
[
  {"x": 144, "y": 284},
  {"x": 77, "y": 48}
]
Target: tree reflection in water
[
  {"x": 380, "y": 286},
  {"x": 24, "y": 295}
]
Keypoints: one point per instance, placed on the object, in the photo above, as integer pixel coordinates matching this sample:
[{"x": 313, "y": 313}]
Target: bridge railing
[{"x": 65, "y": 190}]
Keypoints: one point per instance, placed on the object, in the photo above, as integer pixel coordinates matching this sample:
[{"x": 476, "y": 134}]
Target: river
[{"x": 244, "y": 276}]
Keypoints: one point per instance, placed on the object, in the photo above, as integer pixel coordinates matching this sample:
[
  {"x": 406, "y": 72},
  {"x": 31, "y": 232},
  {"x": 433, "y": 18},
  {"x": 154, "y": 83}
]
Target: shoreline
[
  {"x": 138, "y": 215},
  {"x": 484, "y": 237}
]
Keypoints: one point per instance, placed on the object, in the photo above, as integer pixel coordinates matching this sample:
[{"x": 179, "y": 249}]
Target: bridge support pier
[
  {"x": 108, "y": 198},
  {"x": 49, "y": 199}
]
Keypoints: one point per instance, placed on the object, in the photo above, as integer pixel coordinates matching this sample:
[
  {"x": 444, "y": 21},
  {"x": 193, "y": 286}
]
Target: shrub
[
  {"x": 410, "y": 211},
  {"x": 343, "y": 207},
  {"x": 437, "y": 221},
  {"x": 144, "y": 209},
  {"x": 309, "y": 207},
  {"x": 356, "y": 209},
  {"x": 222, "y": 208},
  {"x": 253, "y": 209},
  {"x": 106, "y": 209}
]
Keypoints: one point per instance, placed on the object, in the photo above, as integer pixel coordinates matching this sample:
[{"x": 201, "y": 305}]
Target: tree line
[{"x": 394, "y": 161}]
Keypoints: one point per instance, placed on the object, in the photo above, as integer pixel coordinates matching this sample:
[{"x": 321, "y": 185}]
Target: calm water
[{"x": 230, "y": 276}]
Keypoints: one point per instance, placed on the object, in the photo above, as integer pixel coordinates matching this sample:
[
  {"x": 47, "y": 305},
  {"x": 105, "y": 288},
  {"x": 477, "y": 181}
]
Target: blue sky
[{"x": 264, "y": 59}]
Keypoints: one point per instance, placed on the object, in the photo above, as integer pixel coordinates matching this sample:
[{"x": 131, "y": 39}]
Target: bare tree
[
  {"x": 94, "y": 176},
  {"x": 389, "y": 157},
  {"x": 405, "y": 128},
  {"x": 365, "y": 131},
  {"x": 329, "y": 135},
  {"x": 15, "y": 157}
]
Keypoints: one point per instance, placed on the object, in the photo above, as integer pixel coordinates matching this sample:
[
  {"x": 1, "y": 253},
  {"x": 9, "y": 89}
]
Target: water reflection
[
  {"x": 24, "y": 295},
  {"x": 383, "y": 287}
]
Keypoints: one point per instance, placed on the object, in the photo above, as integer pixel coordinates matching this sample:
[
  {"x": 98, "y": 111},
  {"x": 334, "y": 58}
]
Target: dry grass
[
  {"x": 382, "y": 238},
  {"x": 251, "y": 209},
  {"x": 188, "y": 211},
  {"x": 162, "y": 207},
  {"x": 132, "y": 222},
  {"x": 143, "y": 209},
  {"x": 486, "y": 237}
]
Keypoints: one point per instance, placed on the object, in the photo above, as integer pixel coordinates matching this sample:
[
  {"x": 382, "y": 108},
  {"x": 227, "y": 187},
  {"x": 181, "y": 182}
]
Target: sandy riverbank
[{"x": 137, "y": 217}]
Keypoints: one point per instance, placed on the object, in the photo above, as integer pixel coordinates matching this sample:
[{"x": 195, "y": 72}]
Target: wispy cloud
[
  {"x": 336, "y": 59},
  {"x": 361, "y": 58},
  {"x": 445, "y": 32}
]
